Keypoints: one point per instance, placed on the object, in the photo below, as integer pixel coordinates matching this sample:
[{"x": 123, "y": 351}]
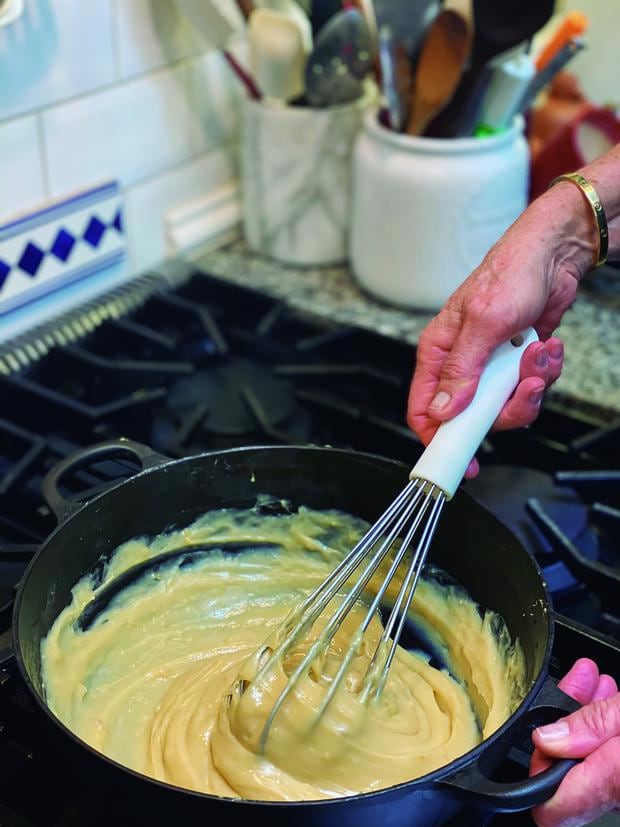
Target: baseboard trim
[{"x": 204, "y": 224}]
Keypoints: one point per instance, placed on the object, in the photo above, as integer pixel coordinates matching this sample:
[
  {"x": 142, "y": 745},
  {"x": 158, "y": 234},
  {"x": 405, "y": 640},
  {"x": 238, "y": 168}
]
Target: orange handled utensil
[
  {"x": 442, "y": 61},
  {"x": 573, "y": 25}
]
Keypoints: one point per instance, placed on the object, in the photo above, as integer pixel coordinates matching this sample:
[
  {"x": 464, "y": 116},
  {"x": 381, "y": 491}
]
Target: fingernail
[
  {"x": 556, "y": 350},
  {"x": 554, "y": 732},
  {"x": 542, "y": 360},
  {"x": 536, "y": 397},
  {"x": 440, "y": 401}
]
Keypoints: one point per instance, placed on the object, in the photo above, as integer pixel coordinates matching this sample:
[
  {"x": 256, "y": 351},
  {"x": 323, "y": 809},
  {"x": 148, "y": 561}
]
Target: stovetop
[{"x": 209, "y": 365}]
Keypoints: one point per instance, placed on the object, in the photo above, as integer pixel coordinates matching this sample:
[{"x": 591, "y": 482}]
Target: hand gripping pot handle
[
  {"x": 473, "y": 784},
  {"x": 448, "y": 454}
]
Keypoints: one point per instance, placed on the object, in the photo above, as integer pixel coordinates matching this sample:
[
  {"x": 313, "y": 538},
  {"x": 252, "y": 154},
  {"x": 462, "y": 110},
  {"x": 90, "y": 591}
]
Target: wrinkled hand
[
  {"x": 522, "y": 281},
  {"x": 592, "y": 788}
]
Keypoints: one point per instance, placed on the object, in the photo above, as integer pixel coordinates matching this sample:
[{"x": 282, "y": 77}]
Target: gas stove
[{"x": 194, "y": 364}]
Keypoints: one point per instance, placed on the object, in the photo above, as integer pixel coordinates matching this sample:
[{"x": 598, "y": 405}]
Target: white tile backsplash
[
  {"x": 151, "y": 34},
  {"x": 21, "y": 174},
  {"x": 57, "y": 49},
  {"x": 147, "y": 203},
  {"x": 114, "y": 89},
  {"x": 214, "y": 93},
  {"x": 128, "y": 132}
]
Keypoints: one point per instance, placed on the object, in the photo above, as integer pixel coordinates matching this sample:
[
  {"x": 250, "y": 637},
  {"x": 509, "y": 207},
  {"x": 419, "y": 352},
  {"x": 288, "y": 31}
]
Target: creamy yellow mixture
[{"x": 153, "y": 682}]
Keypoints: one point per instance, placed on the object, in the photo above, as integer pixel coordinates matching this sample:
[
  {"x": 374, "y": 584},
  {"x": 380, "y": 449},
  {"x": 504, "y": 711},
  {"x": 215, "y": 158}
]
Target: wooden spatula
[{"x": 442, "y": 60}]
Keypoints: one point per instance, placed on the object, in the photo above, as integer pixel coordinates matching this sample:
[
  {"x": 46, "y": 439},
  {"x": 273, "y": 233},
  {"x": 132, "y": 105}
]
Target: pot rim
[
  {"x": 420, "y": 145},
  {"x": 424, "y": 781}
]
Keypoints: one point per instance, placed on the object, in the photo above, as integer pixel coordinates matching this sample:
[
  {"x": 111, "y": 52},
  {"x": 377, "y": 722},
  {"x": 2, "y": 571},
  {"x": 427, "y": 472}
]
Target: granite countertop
[{"x": 590, "y": 330}]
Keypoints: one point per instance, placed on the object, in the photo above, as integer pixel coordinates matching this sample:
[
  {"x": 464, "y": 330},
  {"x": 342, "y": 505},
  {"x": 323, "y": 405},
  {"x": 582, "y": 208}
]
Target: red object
[
  {"x": 246, "y": 79},
  {"x": 561, "y": 152}
]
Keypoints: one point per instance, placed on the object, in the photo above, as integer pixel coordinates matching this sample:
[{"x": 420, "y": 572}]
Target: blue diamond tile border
[
  {"x": 63, "y": 244},
  {"x": 4, "y": 272},
  {"x": 43, "y": 246},
  {"x": 94, "y": 231},
  {"x": 31, "y": 259}
]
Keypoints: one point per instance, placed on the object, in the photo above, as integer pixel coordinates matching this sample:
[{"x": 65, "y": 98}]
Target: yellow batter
[{"x": 153, "y": 682}]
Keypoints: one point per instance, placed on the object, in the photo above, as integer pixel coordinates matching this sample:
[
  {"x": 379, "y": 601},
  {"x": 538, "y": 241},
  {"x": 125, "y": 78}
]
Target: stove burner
[
  {"x": 504, "y": 490},
  {"x": 207, "y": 365},
  {"x": 233, "y": 403}
]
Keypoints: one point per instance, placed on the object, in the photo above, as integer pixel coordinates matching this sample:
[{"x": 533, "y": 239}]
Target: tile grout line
[
  {"x": 175, "y": 65},
  {"x": 115, "y": 38},
  {"x": 126, "y": 190},
  {"x": 188, "y": 84},
  {"x": 229, "y": 146},
  {"x": 45, "y": 172}
]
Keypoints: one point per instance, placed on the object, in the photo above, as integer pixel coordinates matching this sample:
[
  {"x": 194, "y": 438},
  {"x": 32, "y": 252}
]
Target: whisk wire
[
  {"x": 298, "y": 621},
  {"x": 376, "y": 677},
  {"x": 324, "y": 595},
  {"x": 350, "y": 562},
  {"x": 353, "y": 648},
  {"x": 433, "y": 480}
]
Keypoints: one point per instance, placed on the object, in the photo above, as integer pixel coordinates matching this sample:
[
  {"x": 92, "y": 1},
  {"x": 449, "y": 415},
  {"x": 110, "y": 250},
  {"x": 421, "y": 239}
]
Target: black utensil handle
[
  {"x": 61, "y": 506},
  {"x": 474, "y": 785}
]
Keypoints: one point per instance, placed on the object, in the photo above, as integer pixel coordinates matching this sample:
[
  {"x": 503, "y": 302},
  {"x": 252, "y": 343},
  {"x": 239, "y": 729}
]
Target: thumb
[
  {"x": 582, "y": 732},
  {"x": 588, "y": 791},
  {"x": 463, "y": 367}
]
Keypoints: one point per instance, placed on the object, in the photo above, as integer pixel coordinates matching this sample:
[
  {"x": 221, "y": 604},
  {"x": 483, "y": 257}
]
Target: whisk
[{"x": 413, "y": 516}]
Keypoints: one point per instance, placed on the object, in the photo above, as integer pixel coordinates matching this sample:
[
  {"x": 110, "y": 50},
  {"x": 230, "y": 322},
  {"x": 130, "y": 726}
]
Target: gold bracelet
[{"x": 597, "y": 208}]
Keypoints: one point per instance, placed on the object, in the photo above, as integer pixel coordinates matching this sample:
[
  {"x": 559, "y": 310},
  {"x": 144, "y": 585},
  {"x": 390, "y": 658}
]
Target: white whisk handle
[{"x": 447, "y": 456}]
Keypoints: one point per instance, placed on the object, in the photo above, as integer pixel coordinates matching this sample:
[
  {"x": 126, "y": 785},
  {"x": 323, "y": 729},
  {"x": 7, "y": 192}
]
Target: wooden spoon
[
  {"x": 499, "y": 25},
  {"x": 442, "y": 61}
]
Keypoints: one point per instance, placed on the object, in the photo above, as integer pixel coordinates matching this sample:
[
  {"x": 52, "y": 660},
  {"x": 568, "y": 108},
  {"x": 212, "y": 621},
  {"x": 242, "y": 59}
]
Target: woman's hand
[
  {"x": 592, "y": 788},
  {"x": 529, "y": 277}
]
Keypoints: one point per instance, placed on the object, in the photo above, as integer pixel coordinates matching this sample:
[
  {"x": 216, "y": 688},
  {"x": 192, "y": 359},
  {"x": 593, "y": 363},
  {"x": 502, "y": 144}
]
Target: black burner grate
[{"x": 211, "y": 365}]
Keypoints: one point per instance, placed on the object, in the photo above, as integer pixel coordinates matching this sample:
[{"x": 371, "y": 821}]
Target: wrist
[{"x": 574, "y": 240}]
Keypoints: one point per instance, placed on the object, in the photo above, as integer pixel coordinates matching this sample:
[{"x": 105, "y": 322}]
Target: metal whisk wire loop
[
  {"x": 413, "y": 516},
  {"x": 403, "y": 519}
]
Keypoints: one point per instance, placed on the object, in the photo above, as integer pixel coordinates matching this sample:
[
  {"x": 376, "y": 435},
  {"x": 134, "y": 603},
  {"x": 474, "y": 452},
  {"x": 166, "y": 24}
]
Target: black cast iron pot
[{"x": 470, "y": 544}]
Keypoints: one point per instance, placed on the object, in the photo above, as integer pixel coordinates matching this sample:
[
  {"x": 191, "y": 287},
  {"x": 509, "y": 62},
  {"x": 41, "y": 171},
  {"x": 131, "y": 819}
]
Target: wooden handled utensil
[
  {"x": 499, "y": 26},
  {"x": 443, "y": 58}
]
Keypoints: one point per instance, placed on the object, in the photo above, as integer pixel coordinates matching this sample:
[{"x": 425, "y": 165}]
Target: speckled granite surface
[{"x": 591, "y": 330}]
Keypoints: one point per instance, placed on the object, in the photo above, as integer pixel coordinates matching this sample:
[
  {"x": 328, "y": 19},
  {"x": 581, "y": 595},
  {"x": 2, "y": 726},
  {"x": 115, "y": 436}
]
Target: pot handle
[
  {"x": 63, "y": 507},
  {"x": 474, "y": 785}
]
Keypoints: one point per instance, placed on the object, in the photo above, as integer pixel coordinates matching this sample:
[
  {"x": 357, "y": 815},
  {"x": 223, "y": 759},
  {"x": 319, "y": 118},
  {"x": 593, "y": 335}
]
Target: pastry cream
[{"x": 154, "y": 681}]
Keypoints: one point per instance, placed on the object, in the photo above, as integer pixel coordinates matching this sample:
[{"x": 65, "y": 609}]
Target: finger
[
  {"x": 606, "y": 688},
  {"x": 523, "y": 406},
  {"x": 541, "y": 365},
  {"x": 543, "y": 359},
  {"x": 581, "y": 683},
  {"x": 472, "y": 469},
  {"x": 539, "y": 762},
  {"x": 433, "y": 348},
  {"x": 423, "y": 426},
  {"x": 555, "y": 351},
  {"x": 588, "y": 791},
  {"x": 462, "y": 369},
  {"x": 583, "y": 731},
  {"x": 535, "y": 362}
]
